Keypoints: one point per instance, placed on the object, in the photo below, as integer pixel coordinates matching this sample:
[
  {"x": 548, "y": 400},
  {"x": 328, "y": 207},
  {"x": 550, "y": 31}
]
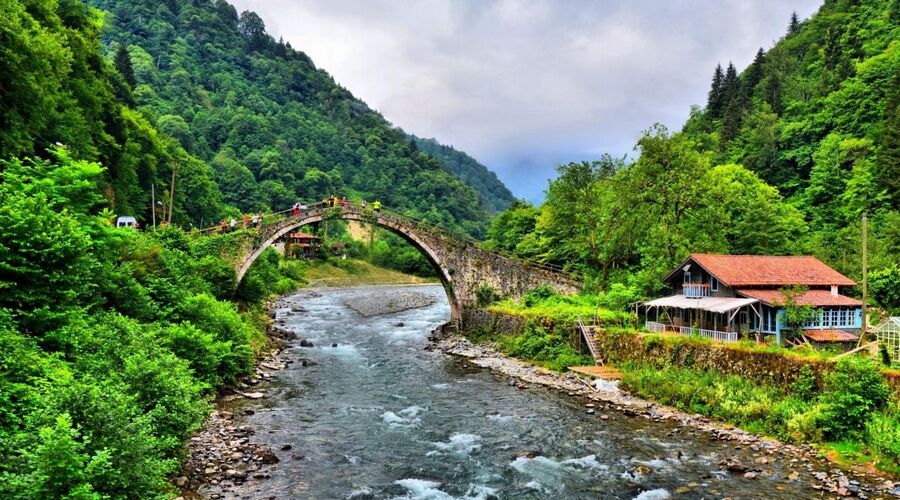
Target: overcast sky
[{"x": 524, "y": 85}]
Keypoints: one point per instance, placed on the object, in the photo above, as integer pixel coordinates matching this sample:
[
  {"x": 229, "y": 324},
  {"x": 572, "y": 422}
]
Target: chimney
[{"x": 834, "y": 290}]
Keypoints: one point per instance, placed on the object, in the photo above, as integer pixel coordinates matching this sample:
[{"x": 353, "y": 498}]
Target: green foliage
[
  {"x": 855, "y": 391},
  {"x": 881, "y": 433},
  {"x": 535, "y": 295},
  {"x": 795, "y": 314},
  {"x": 884, "y": 285},
  {"x": 805, "y": 385},
  {"x": 110, "y": 339},
  {"x": 545, "y": 348},
  {"x": 486, "y": 295},
  {"x": 850, "y": 407}
]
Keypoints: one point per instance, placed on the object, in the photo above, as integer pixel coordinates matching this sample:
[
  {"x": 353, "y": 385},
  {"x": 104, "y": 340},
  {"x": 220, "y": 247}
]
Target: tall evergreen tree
[
  {"x": 732, "y": 110},
  {"x": 122, "y": 62},
  {"x": 794, "y": 26},
  {"x": 730, "y": 85},
  {"x": 714, "y": 102},
  {"x": 888, "y": 169},
  {"x": 753, "y": 74}
]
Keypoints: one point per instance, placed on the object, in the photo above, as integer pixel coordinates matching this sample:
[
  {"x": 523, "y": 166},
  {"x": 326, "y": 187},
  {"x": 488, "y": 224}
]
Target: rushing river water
[{"x": 378, "y": 416}]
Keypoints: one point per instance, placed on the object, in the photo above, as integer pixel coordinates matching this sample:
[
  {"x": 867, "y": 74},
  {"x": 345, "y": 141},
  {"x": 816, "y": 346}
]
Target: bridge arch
[{"x": 397, "y": 226}]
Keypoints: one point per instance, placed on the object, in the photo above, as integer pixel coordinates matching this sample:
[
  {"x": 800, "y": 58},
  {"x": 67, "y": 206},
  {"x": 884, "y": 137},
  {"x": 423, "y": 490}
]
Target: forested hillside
[
  {"x": 495, "y": 195},
  {"x": 272, "y": 125},
  {"x": 785, "y": 158}
]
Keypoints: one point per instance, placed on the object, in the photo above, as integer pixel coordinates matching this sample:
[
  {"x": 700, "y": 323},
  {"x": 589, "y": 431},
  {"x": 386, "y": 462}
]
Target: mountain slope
[
  {"x": 494, "y": 194},
  {"x": 272, "y": 125}
]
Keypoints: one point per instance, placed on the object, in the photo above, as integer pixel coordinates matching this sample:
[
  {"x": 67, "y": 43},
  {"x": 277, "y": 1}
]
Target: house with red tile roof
[{"x": 724, "y": 296}]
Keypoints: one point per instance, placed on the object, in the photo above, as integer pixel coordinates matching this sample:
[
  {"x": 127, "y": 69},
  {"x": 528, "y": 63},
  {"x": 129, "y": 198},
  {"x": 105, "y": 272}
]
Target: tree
[
  {"x": 888, "y": 166},
  {"x": 752, "y": 75},
  {"x": 122, "y": 61},
  {"x": 794, "y": 25},
  {"x": 796, "y": 314},
  {"x": 714, "y": 102},
  {"x": 253, "y": 29}
]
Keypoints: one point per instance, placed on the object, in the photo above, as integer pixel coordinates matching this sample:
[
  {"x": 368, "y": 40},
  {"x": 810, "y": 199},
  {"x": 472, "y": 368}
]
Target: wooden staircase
[{"x": 587, "y": 332}]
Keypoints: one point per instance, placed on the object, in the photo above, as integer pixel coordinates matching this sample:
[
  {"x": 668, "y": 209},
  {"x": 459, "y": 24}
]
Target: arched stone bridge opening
[{"x": 462, "y": 266}]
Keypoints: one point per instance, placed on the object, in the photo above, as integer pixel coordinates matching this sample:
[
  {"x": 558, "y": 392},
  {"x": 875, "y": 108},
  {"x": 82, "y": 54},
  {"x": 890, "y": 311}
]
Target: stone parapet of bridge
[{"x": 462, "y": 265}]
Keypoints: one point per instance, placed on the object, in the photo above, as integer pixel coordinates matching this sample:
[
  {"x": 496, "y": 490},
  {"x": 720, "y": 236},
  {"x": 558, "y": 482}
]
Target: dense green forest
[
  {"x": 272, "y": 125},
  {"x": 784, "y": 158},
  {"x": 495, "y": 195}
]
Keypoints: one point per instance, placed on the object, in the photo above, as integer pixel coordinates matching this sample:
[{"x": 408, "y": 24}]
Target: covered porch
[{"x": 718, "y": 318}]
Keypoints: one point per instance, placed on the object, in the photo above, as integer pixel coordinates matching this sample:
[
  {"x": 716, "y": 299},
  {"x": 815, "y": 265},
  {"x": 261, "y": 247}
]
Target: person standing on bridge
[
  {"x": 334, "y": 201},
  {"x": 246, "y": 219},
  {"x": 376, "y": 205},
  {"x": 344, "y": 201},
  {"x": 296, "y": 211}
]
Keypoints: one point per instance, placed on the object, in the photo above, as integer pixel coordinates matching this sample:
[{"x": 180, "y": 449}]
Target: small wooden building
[{"x": 302, "y": 245}]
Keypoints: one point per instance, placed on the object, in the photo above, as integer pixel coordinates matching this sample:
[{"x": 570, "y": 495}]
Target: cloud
[{"x": 524, "y": 85}]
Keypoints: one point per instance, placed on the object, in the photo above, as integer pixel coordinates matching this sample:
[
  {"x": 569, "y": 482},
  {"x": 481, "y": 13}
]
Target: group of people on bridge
[
  {"x": 256, "y": 220},
  {"x": 333, "y": 202}
]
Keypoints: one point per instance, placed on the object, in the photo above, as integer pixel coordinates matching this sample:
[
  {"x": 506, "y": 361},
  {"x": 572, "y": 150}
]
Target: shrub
[
  {"x": 883, "y": 434},
  {"x": 854, "y": 390},
  {"x": 211, "y": 360},
  {"x": 619, "y": 296},
  {"x": 486, "y": 295},
  {"x": 804, "y": 386},
  {"x": 546, "y": 348},
  {"x": 219, "y": 275},
  {"x": 535, "y": 295}
]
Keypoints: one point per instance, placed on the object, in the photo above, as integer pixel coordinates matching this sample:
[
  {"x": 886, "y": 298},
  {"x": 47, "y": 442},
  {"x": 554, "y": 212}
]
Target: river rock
[
  {"x": 733, "y": 465},
  {"x": 254, "y": 395},
  {"x": 306, "y": 343}
]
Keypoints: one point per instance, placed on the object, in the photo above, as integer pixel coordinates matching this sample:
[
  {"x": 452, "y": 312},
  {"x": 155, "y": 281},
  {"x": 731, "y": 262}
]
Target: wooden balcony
[{"x": 695, "y": 290}]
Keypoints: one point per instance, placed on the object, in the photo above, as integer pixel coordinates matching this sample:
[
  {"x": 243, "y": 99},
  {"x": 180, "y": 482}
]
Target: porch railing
[
  {"x": 656, "y": 327},
  {"x": 711, "y": 334},
  {"x": 695, "y": 290}
]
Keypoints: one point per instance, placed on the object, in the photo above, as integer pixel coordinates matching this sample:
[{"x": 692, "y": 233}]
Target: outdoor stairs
[
  {"x": 588, "y": 333},
  {"x": 600, "y": 370}
]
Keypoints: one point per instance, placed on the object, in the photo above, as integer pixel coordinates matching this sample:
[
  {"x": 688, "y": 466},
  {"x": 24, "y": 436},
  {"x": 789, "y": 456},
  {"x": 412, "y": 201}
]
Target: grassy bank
[
  {"x": 356, "y": 272},
  {"x": 849, "y": 409}
]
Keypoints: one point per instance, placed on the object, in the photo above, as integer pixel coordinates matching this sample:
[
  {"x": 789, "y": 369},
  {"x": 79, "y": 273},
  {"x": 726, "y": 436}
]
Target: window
[
  {"x": 687, "y": 277},
  {"x": 713, "y": 284}
]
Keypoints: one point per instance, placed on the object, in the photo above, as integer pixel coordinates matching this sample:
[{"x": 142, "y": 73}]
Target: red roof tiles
[
  {"x": 304, "y": 236},
  {"x": 770, "y": 270},
  {"x": 816, "y": 298},
  {"x": 830, "y": 336}
]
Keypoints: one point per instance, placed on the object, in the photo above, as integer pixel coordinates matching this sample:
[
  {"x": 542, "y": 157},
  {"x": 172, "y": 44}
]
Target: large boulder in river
[{"x": 306, "y": 343}]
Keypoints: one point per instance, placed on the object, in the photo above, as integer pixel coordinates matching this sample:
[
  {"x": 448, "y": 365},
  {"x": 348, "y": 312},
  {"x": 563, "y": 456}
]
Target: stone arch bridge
[{"x": 462, "y": 265}]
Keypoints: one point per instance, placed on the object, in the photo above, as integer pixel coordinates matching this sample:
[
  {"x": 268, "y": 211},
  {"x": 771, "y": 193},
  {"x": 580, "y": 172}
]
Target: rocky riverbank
[
  {"x": 374, "y": 305},
  {"x": 222, "y": 455},
  {"x": 605, "y": 400}
]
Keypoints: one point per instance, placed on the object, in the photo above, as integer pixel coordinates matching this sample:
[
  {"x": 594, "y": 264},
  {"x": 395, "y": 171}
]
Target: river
[{"x": 379, "y": 416}]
